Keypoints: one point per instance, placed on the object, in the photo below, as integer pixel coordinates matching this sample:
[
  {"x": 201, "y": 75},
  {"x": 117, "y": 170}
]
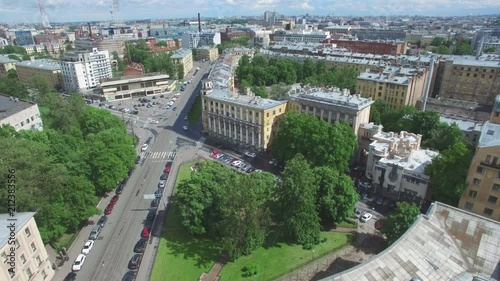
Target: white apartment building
[
  {"x": 22, "y": 253},
  {"x": 19, "y": 114},
  {"x": 191, "y": 40},
  {"x": 84, "y": 70},
  {"x": 396, "y": 166}
]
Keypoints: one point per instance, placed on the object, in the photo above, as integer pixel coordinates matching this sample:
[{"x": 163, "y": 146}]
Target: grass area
[
  {"x": 184, "y": 172},
  {"x": 65, "y": 241},
  {"x": 194, "y": 114},
  {"x": 282, "y": 258},
  {"x": 348, "y": 224}
]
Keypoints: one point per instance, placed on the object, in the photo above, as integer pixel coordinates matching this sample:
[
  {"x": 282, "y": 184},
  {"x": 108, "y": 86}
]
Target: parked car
[
  {"x": 102, "y": 221},
  {"x": 151, "y": 215},
  {"x": 146, "y": 231},
  {"x": 135, "y": 261},
  {"x": 94, "y": 234},
  {"x": 87, "y": 247},
  {"x": 357, "y": 213},
  {"x": 70, "y": 277},
  {"x": 115, "y": 199},
  {"x": 109, "y": 209},
  {"x": 144, "y": 147},
  {"x": 250, "y": 154},
  {"x": 155, "y": 203},
  {"x": 366, "y": 217},
  {"x": 167, "y": 169},
  {"x": 77, "y": 265},
  {"x": 161, "y": 184},
  {"x": 119, "y": 189},
  {"x": 159, "y": 193},
  {"x": 185, "y": 128},
  {"x": 164, "y": 176},
  {"x": 138, "y": 160},
  {"x": 140, "y": 246}
]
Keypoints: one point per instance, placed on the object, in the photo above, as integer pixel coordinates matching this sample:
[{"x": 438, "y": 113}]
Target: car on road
[
  {"x": 87, "y": 247},
  {"x": 138, "y": 160},
  {"x": 185, "y": 118},
  {"x": 146, "y": 231},
  {"x": 366, "y": 217},
  {"x": 154, "y": 122},
  {"x": 94, "y": 234},
  {"x": 70, "y": 277},
  {"x": 135, "y": 261},
  {"x": 159, "y": 193},
  {"x": 250, "y": 154},
  {"x": 77, "y": 265},
  {"x": 129, "y": 276},
  {"x": 161, "y": 184},
  {"x": 167, "y": 169},
  {"x": 357, "y": 213},
  {"x": 140, "y": 245},
  {"x": 119, "y": 189},
  {"x": 115, "y": 199},
  {"x": 151, "y": 215},
  {"x": 145, "y": 147},
  {"x": 102, "y": 221},
  {"x": 185, "y": 128},
  {"x": 155, "y": 203},
  {"x": 174, "y": 108},
  {"x": 164, "y": 176},
  {"x": 109, "y": 209},
  {"x": 236, "y": 163}
]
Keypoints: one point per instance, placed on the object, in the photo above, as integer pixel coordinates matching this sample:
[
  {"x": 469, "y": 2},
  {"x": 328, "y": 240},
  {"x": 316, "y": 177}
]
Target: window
[
  {"x": 29, "y": 273},
  {"x": 468, "y": 205},
  {"x": 488, "y": 212},
  {"x": 17, "y": 244},
  {"x": 274, "y": 112},
  {"x": 496, "y": 187},
  {"x": 280, "y": 110},
  {"x": 267, "y": 115},
  {"x": 488, "y": 158},
  {"x": 472, "y": 194},
  {"x": 489, "y": 132},
  {"x": 23, "y": 259},
  {"x": 33, "y": 247},
  {"x": 492, "y": 199},
  {"x": 38, "y": 260},
  {"x": 479, "y": 170},
  {"x": 27, "y": 231},
  {"x": 4, "y": 257},
  {"x": 44, "y": 274},
  {"x": 476, "y": 182}
]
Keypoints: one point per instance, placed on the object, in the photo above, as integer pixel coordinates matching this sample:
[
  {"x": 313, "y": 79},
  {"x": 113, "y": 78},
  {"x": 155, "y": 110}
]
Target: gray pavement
[{"x": 112, "y": 251}]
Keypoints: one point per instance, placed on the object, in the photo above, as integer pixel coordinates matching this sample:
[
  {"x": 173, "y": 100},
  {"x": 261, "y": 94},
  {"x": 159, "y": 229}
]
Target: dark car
[
  {"x": 102, "y": 221},
  {"x": 140, "y": 245},
  {"x": 138, "y": 160},
  {"x": 135, "y": 261},
  {"x": 129, "y": 276},
  {"x": 168, "y": 164},
  {"x": 151, "y": 215},
  {"x": 70, "y": 277},
  {"x": 164, "y": 177},
  {"x": 159, "y": 193},
  {"x": 174, "y": 109},
  {"x": 155, "y": 203},
  {"x": 119, "y": 189},
  {"x": 364, "y": 196}
]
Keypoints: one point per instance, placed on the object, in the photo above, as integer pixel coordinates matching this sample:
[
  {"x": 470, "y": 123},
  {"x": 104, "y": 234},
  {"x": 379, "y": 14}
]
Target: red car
[
  {"x": 109, "y": 208},
  {"x": 145, "y": 232},
  {"x": 167, "y": 169},
  {"x": 115, "y": 199}
]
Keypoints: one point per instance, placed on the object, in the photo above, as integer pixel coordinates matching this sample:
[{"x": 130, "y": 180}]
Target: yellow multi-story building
[
  {"x": 22, "y": 253},
  {"x": 398, "y": 86},
  {"x": 183, "y": 57},
  {"x": 207, "y": 53},
  {"x": 6, "y": 64},
  {"x": 468, "y": 78},
  {"x": 50, "y": 69},
  {"x": 245, "y": 120},
  {"x": 483, "y": 180}
]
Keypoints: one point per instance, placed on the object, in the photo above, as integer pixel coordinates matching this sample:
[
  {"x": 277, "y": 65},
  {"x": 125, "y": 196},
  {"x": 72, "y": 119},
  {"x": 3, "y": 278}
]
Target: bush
[{"x": 250, "y": 270}]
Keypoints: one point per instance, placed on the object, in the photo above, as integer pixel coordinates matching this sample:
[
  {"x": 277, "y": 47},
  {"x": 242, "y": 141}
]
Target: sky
[{"x": 26, "y": 11}]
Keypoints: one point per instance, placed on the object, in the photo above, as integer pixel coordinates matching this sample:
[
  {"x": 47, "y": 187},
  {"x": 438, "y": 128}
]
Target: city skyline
[{"x": 27, "y": 11}]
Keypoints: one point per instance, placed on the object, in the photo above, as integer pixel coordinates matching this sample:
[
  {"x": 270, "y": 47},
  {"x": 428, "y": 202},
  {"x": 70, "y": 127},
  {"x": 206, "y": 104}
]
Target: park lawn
[
  {"x": 194, "y": 114},
  {"x": 348, "y": 224},
  {"x": 180, "y": 256},
  {"x": 279, "y": 260}
]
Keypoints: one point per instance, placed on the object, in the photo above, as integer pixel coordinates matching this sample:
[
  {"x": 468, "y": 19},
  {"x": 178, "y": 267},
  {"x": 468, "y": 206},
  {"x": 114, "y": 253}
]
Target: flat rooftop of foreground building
[
  {"x": 5, "y": 220},
  {"x": 463, "y": 124},
  {"x": 245, "y": 100},
  {"x": 334, "y": 97},
  {"x": 10, "y": 106},
  {"x": 490, "y": 135},
  {"x": 133, "y": 78},
  {"x": 46, "y": 64},
  {"x": 446, "y": 244}
]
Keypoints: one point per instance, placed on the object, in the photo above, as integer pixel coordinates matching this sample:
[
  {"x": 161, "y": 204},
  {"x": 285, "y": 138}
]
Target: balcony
[{"x": 494, "y": 165}]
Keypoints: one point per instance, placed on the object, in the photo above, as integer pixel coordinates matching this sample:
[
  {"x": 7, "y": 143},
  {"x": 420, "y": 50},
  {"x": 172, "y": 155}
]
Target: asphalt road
[{"x": 111, "y": 253}]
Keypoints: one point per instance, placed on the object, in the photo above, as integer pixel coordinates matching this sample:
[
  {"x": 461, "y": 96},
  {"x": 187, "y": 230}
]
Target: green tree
[
  {"x": 279, "y": 91},
  {"x": 443, "y": 137},
  {"x": 443, "y": 50},
  {"x": 296, "y": 198},
  {"x": 14, "y": 57},
  {"x": 40, "y": 84},
  {"x": 490, "y": 50},
  {"x": 180, "y": 72},
  {"x": 336, "y": 195},
  {"x": 378, "y": 108},
  {"x": 399, "y": 221},
  {"x": 244, "y": 85},
  {"x": 463, "y": 47},
  {"x": 259, "y": 91},
  {"x": 13, "y": 87},
  {"x": 448, "y": 172},
  {"x": 194, "y": 52},
  {"x": 438, "y": 41}
]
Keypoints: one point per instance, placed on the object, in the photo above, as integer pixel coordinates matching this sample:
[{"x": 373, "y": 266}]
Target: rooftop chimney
[
  {"x": 199, "y": 23},
  {"x": 90, "y": 30}
]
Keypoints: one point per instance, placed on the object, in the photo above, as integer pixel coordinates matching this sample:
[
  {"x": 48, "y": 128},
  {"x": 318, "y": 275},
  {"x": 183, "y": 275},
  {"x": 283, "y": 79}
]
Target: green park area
[{"x": 184, "y": 257}]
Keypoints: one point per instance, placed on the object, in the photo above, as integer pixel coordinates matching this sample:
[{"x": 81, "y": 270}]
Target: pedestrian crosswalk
[{"x": 158, "y": 155}]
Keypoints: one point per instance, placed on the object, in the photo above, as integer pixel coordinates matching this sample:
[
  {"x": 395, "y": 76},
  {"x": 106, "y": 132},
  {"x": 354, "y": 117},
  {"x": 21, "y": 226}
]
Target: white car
[
  {"x": 236, "y": 163},
  {"x": 87, "y": 247},
  {"x": 144, "y": 147},
  {"x": 250, "y": 154},
  {"x": 77, "y": 265},
  {"x": 366, "y": 217},
  {"x": 154, "y": 122},
  {"x": 185, "y": 128},
  {"x": 161, "y": 184}
]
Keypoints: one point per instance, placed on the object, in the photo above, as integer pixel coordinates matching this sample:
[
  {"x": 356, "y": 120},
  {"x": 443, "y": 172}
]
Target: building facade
[
  {"x": 372, "y": 47},
  {"x": 24, "y": 37},
  {"x": 332, "y": 106},
  {"x": 22, "y": 247},
  {"x": 84, "y": 70},
  {"x": 127, "y": 87},
  {"x": 398, "y": 86},
  {"x": 19, "y": 114},
  {"x": 483, "y": 180},
  {"x": 396, "y": 166},
  {"x": 207, "y": 53},
  {"x": 183, "y": 57},
  {"x": 311, "y": 37},
  {"x": 6, "y": 64},
  {"x": 244, "y": 120},
  {"x": 50, "y": 69}
]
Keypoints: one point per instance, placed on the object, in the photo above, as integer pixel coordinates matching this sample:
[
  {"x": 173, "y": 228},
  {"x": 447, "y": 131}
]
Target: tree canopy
[
  {"x": 139, "y": 52},
  {"x": 399, "y": 221}
]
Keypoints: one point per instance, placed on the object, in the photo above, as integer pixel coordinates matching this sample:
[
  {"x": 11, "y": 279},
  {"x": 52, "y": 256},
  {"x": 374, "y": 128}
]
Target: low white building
[
  {"x": 396, "y": 165},
  {"x": 82, "y": 70},
  {"x": 19, "y": 114}
]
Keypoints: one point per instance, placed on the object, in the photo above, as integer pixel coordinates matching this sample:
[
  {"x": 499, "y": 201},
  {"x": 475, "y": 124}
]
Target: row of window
[
  {"x": 28, "y": 120},
  {"x": 487, "y": 212}
]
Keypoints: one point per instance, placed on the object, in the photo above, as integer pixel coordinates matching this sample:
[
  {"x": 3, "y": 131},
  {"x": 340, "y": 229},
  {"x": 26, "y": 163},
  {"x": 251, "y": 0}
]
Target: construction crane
[
  {"x": 43, "y": 14},
  {"x": 115, "y": 12}
]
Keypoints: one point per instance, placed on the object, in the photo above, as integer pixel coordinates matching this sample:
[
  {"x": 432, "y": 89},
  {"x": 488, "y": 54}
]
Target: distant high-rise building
[{"x": 267, "y": 16}]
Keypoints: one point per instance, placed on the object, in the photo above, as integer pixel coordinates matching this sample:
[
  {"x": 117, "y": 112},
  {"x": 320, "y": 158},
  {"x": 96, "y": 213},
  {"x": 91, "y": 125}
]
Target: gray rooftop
[
  {"x": 6, "y": 59},
  {"x": 181, "y": 53},
  {"x": 464, "y": 124},
  {"x": 9, "y": 107},
  {"x": 335, "y": 98},
  {"x": 46, "y": 64},
  {"x": 235, "y": 98},
  {"x": 445, "y": 244},
  {"x": 392, "y": 75},
  {"x": 490, "y": 135},
  {"x": 20, "y": 220}
]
